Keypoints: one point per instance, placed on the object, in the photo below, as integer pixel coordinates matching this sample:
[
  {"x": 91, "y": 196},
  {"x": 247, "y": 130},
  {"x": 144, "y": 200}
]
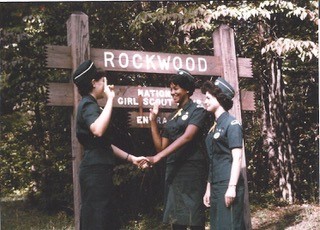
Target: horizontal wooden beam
[
  {"x": 146, "y": 62},
  {"x": 247, "y": 100},
  {"x": 61, "y": 94},
  {"x": 58, "y": 57}
]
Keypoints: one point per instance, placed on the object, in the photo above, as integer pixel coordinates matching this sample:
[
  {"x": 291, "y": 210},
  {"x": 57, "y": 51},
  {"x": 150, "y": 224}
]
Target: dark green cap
[
  {"x": 185, "y": 73},
  {"x": 84, "y": 73},
  {"x": 225, "y": 87}
]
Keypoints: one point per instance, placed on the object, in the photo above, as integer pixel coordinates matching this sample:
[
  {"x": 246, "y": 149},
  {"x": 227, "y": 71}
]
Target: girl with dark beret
[{"x": 95, "y": 135}]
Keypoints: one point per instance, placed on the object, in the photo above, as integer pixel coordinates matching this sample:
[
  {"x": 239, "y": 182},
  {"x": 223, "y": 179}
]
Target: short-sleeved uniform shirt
[
  {"x": 97, "y": 150},
  {"x": 191, "y": 113},
  {"x": 226, "y": 136},
  {"x": 185, "y": 169}
]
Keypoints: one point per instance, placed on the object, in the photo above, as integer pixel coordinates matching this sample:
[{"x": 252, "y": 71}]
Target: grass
[{"x": 16, "y": 215}]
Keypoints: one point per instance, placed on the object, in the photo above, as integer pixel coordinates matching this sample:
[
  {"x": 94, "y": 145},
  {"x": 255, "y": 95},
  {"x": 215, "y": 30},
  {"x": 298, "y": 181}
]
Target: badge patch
[
  {"x": 216, "y": 135},
  {"x": 235, "y": 122}
]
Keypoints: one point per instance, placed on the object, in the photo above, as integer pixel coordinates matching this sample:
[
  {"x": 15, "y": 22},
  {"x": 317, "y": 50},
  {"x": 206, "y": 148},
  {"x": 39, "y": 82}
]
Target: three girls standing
[{"x": 179, "y": 144}]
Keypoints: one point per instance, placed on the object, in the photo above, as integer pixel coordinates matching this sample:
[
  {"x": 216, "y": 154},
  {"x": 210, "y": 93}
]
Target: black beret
[
  {"x": 84, "y": 73},
  {"x": 225, "y": 87},
  {"x": 185, "y": 73}
]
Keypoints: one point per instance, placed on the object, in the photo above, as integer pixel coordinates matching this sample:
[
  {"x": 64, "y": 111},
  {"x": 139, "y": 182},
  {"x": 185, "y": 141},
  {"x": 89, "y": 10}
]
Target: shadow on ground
[{"x": 295, "y": 217}]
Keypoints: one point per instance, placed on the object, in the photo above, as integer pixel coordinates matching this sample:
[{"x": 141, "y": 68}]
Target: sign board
[
  {"x": 134, "y": 97},
  {"x": 147, "y": 62}
]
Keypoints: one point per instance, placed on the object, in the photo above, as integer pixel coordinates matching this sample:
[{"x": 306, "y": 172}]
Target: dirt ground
[
  {"x": 293, "y": 217},
  {"x": 290, "y": 217}
]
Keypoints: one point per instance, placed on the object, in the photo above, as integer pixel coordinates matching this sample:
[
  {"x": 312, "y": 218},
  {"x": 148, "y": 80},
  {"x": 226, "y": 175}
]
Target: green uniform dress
[
  {"x": 226, "y": 136},
  {"x": 97, "y": 208},
  {"x": 185, "y": 170}
]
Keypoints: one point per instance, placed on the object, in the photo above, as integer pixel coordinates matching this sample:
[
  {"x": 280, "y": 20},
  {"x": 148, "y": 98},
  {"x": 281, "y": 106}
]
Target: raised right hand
[
  {"x": 154, "y": 111},
  {"x": 108, "y": 89}
]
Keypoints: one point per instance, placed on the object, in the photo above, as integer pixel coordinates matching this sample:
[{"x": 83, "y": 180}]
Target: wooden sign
[
  {"x": 147, "y": 62},
  {"x": 134, "y": 97}
]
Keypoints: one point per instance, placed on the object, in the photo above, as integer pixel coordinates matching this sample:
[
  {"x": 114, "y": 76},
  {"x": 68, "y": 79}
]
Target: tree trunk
[{"x": 277, "y": 132}]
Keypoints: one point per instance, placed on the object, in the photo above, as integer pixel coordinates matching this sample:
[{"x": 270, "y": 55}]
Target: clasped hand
[
  {"x": 141, "y": 162},
  {"x": 146, "y": 162}
]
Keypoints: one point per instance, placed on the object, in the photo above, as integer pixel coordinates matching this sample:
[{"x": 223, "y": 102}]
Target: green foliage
[
  {"x": 35, "y": 157},
  {"x": 15, "y": 162}
]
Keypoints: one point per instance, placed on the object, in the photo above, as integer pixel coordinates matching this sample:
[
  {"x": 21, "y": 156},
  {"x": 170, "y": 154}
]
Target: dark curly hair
[
  {"x": 184, "y": 82},
  {"x": 215, "y": 91}
]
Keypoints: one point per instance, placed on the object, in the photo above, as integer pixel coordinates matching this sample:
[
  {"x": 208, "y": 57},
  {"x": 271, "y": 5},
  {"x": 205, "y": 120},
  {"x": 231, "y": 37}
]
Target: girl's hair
[
  {"x": 185, "y": 82},
  {"x": 86, "y": 87},
  {"x": 215, "y": 91}
]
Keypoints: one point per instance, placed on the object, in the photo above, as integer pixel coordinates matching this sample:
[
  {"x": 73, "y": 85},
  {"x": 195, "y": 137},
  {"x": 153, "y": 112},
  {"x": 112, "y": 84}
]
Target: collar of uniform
[
  {"x": 91, "y": 97},
  {"x": 222, "y": 117},
  {"x": 185, "y": 107}
]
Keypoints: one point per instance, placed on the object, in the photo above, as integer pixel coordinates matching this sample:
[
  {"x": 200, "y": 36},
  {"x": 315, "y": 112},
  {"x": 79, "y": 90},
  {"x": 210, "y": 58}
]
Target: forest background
[{"x": 281, "y": 135}]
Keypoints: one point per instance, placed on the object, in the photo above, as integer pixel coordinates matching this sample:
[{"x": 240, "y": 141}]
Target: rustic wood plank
[
  {"x": 58, "y": 57},
  {"x": 247, "y": 100},
  {"x": 137, "y": 61},
  {"x": 61, "y": 94},
  {"x": 244, "y": 66}
]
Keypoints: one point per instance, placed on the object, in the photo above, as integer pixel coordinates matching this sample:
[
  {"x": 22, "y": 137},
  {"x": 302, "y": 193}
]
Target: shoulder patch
[{"x": 235, "y": 122}]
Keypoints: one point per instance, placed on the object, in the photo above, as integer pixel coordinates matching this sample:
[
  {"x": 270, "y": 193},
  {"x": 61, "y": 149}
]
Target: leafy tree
[{"x": 34, "y": 157}]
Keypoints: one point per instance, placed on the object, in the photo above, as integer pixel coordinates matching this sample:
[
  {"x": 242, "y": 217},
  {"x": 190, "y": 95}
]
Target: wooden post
[
  {"x": 224, "y": 46},
  {"x": 78, "y": 40}
]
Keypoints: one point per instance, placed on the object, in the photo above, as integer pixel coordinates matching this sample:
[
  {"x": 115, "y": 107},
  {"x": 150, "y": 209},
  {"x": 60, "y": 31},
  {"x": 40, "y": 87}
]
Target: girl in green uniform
[
  {"x": 224, "y": 194},
  {"x": 93, "y": 132},
  {"x": 180, "y": 144}
]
